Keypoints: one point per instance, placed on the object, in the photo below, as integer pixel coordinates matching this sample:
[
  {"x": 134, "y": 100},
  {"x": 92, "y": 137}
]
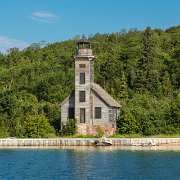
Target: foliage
[
  {"x": 69, "y": 128},
  {"x": 127, "y": 123},
  {"x": 3, "y": 132},
  {"x": 141, "y": 136},
  {"x": 37, "y": 126},
  {"x": 100, "y": 132},
  {"x": 140, "y": 69},
  {"x": 80, "y": 136}
]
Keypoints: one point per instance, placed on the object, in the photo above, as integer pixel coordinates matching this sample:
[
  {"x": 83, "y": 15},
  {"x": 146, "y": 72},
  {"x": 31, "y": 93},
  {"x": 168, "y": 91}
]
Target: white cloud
[
  {"x": 7, "y": 43},
  {"x": 46, "y": 17}
]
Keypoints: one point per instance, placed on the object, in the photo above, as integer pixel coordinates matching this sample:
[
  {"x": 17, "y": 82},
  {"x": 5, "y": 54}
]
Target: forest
[{"x": 139, "y": 68}]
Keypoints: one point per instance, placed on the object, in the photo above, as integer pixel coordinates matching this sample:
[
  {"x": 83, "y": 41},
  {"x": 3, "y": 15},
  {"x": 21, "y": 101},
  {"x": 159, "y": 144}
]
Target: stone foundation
[{"x": 87, "y": 129}]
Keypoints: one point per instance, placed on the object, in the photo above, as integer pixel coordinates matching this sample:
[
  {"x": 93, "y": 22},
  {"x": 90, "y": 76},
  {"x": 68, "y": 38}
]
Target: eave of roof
[
  {"x": 101, "y": 93},
  {"x": 64, "y": 101},
  {"x": 105, "y": 96}
]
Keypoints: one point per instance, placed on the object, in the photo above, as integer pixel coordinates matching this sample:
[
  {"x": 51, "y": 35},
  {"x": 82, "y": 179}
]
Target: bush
[
  {"x": 37, "y": 126},
  {"x": 3, "y": 132},
  {"x": 100, "y": 131},
  {"x": 69, "y": 128}
]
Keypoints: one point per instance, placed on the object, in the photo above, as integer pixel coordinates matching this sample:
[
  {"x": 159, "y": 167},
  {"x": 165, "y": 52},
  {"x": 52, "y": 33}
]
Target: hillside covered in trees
[{"x": 140, "y": 69}]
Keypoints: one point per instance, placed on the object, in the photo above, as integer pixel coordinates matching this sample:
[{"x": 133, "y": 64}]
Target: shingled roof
[{"x": 104, "y": 95}]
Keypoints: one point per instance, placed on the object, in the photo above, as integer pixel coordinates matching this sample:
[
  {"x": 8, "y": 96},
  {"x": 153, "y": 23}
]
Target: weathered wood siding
[
  {"x": 82, "y": 87},
  {"x": 97, "y": 102},
  {"x": 65, "y": 108},
  {"x": 92, "y": 71},
  {"x": 113, "y": 115}
]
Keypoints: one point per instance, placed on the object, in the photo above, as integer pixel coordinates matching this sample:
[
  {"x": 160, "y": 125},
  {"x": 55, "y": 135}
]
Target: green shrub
[
  {"x": 3, "y": 132},
  {"x": 37, "y": 126},
  {"x": 69, "y": 128},
  {"x": 100, "y": 131}
]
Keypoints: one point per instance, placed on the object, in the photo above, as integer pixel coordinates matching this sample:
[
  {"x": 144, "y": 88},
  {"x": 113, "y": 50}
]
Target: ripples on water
[{"x": 88, "y": 163}]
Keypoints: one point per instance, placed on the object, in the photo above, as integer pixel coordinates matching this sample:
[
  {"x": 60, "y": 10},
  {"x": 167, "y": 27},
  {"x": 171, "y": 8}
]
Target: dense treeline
[{"x": 140, "y": 69}]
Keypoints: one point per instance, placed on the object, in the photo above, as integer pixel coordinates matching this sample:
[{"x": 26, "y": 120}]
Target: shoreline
[{"x": 91, "y": 142}]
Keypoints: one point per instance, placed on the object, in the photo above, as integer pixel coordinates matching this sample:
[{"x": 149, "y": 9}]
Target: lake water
[{"x": 88, "y": 163}]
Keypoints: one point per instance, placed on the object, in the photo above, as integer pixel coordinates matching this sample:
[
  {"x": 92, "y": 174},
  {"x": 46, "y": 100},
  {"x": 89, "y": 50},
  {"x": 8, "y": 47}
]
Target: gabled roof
[
  {"x": 101, "y": 93},
  {"x": 104, "y": 95},
  {"x": 64, "y": 101}
]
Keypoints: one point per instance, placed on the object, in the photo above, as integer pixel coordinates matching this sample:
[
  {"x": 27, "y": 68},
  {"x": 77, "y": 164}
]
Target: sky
[{"x": 23, "y": 22}]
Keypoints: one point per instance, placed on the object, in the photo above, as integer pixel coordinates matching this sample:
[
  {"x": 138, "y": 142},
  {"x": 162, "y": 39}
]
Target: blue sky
[{"x": 24, "y": 22}]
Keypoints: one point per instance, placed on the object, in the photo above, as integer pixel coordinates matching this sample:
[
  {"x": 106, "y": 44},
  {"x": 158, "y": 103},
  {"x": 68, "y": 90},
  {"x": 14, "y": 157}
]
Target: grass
[
  {"x": 127, "y": 136},
  {"x": 79, "y": 136},
  {"x": 141, "y": 136},
  {"x": 166, "y": 136}
]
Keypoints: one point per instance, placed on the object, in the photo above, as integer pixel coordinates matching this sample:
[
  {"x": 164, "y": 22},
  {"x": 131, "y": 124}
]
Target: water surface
[{"x": 89, "y": 163}]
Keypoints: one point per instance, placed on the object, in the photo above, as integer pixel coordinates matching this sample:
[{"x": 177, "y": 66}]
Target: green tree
[
  {"x": 148, "y": 76},
  {"x": 127, "y": 123},
  {"x": 37, "y": 126},
  {"x": 167, "y": 86},
  {"x": 123, "y": 87},
  {"x": 69, "y": 128}
]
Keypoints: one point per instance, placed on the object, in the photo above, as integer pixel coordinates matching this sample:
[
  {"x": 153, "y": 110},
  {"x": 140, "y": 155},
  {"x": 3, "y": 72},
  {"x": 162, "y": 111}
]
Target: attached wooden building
[{"x": 89, "y": 103}]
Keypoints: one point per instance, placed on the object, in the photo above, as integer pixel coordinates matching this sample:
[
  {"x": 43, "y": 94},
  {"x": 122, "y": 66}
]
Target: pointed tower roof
[{"x": 83, "y": 39}]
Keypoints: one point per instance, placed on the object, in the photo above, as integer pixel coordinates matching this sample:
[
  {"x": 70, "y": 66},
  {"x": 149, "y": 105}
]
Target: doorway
[{"x": 82, "y": 115}]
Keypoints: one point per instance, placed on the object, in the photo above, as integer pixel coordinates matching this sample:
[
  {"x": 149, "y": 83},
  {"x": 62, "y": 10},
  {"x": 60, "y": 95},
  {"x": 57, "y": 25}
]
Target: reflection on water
[
  {"x": 90, "y": 163},
  {"x": 130, "y": 148}
]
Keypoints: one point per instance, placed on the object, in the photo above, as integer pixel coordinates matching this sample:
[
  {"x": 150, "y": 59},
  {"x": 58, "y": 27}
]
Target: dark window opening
[
  {"x": 82, "y": 115},
  {"x": 82, "y": 96},
  {"x": 82, "y": 78},
  {"x": 71, "y": 113},
  {"x": 82, "y": 65},
  {"x": 84, "y": 45},
  {"x": 97, "y": 114}
]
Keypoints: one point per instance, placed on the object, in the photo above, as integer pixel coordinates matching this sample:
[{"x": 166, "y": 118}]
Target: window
[
  {"x": 97, "y": 114},
  {"x": 71, "y": 113},
  {"x": 82, "y": 78},
  {"x": 112, "y": 114},
  {"x": 82, "y": 65},
  {"x": 82, "y": 96},
  {"x": 82, "y": 115}
]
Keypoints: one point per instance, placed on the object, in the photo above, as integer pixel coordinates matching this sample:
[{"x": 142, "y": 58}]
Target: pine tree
[
  {"x": 148, "y": 75},
  {"x": 167, "y": 86},
  {"x": 123, "y": 87}
]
